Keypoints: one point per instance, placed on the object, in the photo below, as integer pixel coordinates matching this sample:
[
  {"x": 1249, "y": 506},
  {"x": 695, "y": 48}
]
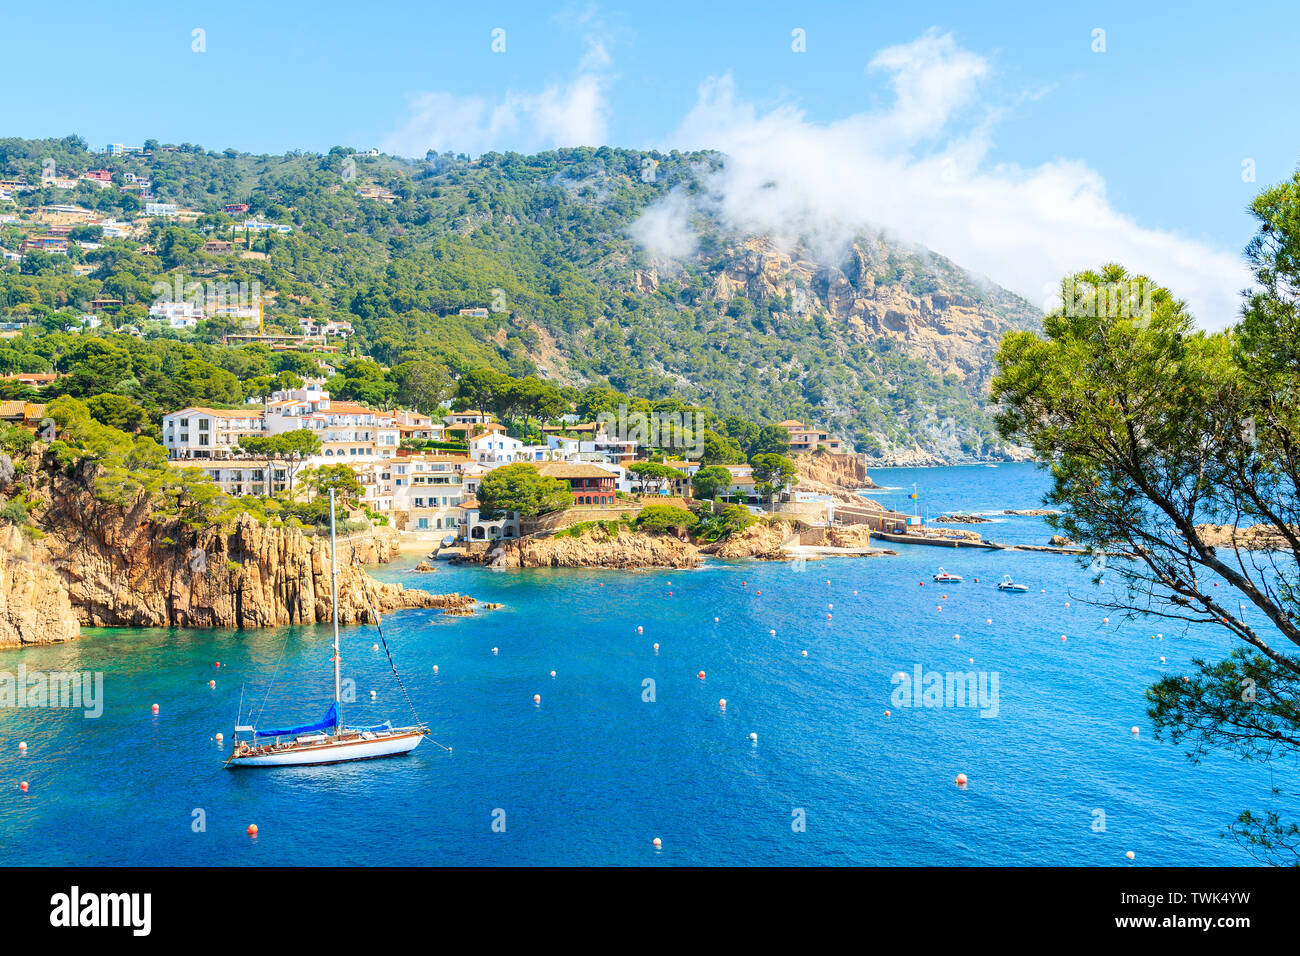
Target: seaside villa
[
  {"x": 589, "y": 484},
  {"x": 805, "y": 439}
]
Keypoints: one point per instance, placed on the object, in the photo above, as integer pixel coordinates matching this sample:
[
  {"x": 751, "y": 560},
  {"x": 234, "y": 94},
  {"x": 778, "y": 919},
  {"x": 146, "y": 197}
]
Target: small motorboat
[
  {"x": 943, "y": 577},
  {"x": 1007, "y": 584}
]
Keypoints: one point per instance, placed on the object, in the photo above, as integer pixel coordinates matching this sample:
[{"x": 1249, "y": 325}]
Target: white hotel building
[
  {"x": 417, "y": 492},
  {"x": 346, "y": 430},
  {"x": 198, "y": 432}
]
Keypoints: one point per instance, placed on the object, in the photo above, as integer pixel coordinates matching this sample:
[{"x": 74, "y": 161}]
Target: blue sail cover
[{"x": 330, "y": 719}]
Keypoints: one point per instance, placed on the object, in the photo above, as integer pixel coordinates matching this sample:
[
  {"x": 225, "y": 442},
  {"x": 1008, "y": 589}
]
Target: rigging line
[
  {"x": 274, "y": 676},
  {"x": 374, "y": 611}
]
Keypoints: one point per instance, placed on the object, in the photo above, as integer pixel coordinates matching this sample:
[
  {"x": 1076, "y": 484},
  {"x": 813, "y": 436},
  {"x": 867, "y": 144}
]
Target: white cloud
[
  {"x": 665, "y": 231},
  {"x": 572, "y": 113},
  {"x": 921, "y": 169}
]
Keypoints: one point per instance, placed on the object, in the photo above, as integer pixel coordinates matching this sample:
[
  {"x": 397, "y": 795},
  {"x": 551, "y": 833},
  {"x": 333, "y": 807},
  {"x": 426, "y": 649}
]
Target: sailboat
[{"x": 328, "y": 740}]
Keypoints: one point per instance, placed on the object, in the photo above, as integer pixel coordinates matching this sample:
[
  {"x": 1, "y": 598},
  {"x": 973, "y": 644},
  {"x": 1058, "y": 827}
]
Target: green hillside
[{"x": 878, "y": 346}]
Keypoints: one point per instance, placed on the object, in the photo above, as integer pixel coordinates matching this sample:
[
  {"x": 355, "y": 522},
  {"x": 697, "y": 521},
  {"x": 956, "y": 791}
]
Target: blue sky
[{"x": 1155, "y": 129}]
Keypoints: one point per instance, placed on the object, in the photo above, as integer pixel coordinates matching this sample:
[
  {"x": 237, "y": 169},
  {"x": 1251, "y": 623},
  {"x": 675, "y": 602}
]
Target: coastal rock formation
[
  {"x": 919, "y": 458},
  {"x": 962, "y": 519},
  {"x": 126, "y": 573},
  {"x": 763, "y": 539},
  {"x": 105, "y": 565},
  {"x": 957, "y": 533},
  {"x": 1256, "y": 537},
  {"x": 34, "y": 605},
  {"x": 821, "y": 470},
  {"x": 596, "y": 548},
  {"x": 849, "y": 536}
]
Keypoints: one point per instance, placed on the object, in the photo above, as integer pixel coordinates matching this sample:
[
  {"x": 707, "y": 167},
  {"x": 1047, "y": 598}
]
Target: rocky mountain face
[
  {"x": 919, "y": 301},
  {"x": 101, "y": 565},
  {"x": 888, "y": 345}
]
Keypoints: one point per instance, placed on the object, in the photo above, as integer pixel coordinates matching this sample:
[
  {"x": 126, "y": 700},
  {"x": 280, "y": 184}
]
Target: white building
[
  {"x": 495, "y": 447},
  {"x": 254, "y": 225},
  {"x": 166, "y": 209},
  {"x": 418, "y": 426},
  {"x": 471, "y": 416},
  {"x": 346, "y": 429},
  {"x": 428, "y": 492},
  {"x": 325, "y": 330},
  {"x": 198, "y": 432},
  {"x": 243, "y": 476}
]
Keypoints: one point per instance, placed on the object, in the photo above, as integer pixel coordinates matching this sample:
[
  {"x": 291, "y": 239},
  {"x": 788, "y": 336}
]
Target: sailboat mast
[{"x": 334, "y": 606}]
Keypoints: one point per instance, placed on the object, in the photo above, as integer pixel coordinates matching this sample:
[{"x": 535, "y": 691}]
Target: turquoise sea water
[{"x": 595, "y": 772}]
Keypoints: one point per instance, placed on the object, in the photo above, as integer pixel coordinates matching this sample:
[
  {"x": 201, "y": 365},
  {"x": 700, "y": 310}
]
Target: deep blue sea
[{"x": 596, "y": 771}]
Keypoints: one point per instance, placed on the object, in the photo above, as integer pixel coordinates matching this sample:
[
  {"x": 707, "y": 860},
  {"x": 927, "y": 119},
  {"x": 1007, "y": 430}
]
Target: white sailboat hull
[{"x": 331, "y": 750}]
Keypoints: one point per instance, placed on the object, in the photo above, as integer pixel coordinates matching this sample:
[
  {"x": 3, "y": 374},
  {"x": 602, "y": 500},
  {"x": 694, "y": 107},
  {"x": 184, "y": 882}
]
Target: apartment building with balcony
[{"x": 197, "y": 432}]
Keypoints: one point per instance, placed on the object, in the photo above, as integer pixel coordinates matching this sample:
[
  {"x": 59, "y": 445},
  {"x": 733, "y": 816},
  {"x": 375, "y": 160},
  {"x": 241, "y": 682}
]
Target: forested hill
[{"x": 891, "y": 346}]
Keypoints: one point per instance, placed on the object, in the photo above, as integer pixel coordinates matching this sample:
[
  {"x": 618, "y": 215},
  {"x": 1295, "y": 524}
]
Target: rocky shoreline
[
  {"x": 100, "y": 565},
  {"x": 1256, "y": 537},
  {"x": 916, "y": 458}
]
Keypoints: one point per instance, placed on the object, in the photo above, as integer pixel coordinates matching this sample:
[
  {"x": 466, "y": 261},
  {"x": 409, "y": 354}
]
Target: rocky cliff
[
  {"x": 823, "y": 471},
  {"x": 102, "y": 565},
  {"x": 34, "y": 604},
  {"x": 882, "y": 291}
]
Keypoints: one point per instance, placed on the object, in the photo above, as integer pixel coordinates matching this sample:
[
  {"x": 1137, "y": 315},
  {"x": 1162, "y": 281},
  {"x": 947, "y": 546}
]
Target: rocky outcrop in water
[
  {"x": 1256, "y": 537},
  {"x": 126, "y": 566},
  {"x": 764, "y": 539},
  {"x": 597, "y": 548}
]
